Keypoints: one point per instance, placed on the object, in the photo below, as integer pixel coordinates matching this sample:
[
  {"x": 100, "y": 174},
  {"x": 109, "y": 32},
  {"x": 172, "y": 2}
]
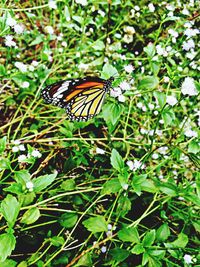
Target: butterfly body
[{"x": 81, "y": 98}]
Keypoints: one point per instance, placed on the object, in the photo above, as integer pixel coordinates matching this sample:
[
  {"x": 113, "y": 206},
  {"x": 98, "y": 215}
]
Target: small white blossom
[
  {"x": 173, "y": 33},
  {"x": 171, "y": 100},
  {"x": 35, "y": 63},
  {"x": 191, "y": 32},
  {"x": 188, "y": 87},
  {"x": 64, "y": 43},
  {"x": 36, "y": 154},
  {"x": 125, "y": 86},
  {"x": 166, "y": 79},
  {"x": 185, "y": 12},
  {"x": 15, "y": 149},
  {"x": 121, "y": 98},
  {"x": 188, "y": 259},
  {"x": 21, "y": 66},
  {"x": 82, "y": 2},
  {"x": 11, "y": 22},
  {"x": 128, "y": 38},
  {"x": 133, "y": 165},
  {"x": 22, "y": 158},
  {"x": 129, "y": 30},
  {"x": 31, "y": 68},
  {"x": 103, "y": 249},
  {"x": 137, "y": 8},
  {"x": 30, "y": 186},
  {"x": 143, "y": 131},
  {"x": 22, "y": 148},
  {"x": 18, "y": 29},
  {"x": 155, "y": 156},
  {"x": 115, "y": 92},
  {"x": 151, "y": 106},
  {"x": 129, "y": 68},
  {"x": 190, "y": 133},
  {"x": 52, "y": 4},
  {"x": 9, "y": 41},
  {"x": 100, "y": 151},
  {"x": 16, "y": 142},
  {"x": 125, "y": 186},
  {"x": 187, "y": 45},
  {"x": 25, "y": 84},
  {"x": 151, "y": 7},
  {"x": 49, "y": 29}
]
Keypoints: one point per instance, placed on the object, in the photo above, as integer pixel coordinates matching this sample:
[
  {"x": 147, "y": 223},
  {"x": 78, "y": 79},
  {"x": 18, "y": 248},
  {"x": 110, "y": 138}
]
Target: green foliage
[{"x": 123, "y": 187}]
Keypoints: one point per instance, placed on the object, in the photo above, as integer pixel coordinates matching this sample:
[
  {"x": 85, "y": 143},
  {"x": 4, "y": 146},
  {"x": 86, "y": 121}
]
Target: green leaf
[
  {"x": 9, "y": 263},
  {"x": 22, "y": 264},
  {"x": 42, "y": 182},
  {"x": 85, "y": 260},
  {"x": 66, "y": 13},
  {"x": 160, "y": 97},
  {"x": 124, "y": 205},
  {"x": 108, "y": 71},
  {"x": 7, "y": 244},
  {"x": 14, "y": 188},
  {"x": 2, "y": 70},
  {"x": 163, "y": 233},
  {"x": 168, "y": 116},
  {"x": 116, "y": 160},
  {"x": 68, "y": 185},
  {"x": 123, "y": 179},
  {"x": 10, "y": 209},
  {"x": 149, "y": 238},
  {"x": 193, "y": 147},
  {"x": 150, "y": 50},
  {"x": 149, "y": 186},
  {"x": 68, "y": 220},
  {"x": 39, "y": 39},
  {"x": 168, "y": 189},
  {"x": 31, "y": 216},
  {"x": 181, "y": 241},
  {"x": 111, "y": 113},
  {"x": 4, "y": 164},
  {"x": 111, "y": 186},
  {"x": 119, "y": 254},
  {"x": 98, "y": 45},
  {"x": 2, "y": 144},
  {"x": 129, "y": 235},
  {"x": 148, "y": 82},
  {"x": 57, "y": 241},
  {"x": 137, "y": 249},
  {"x": 22, "y": 177},
  {"x": 96, "y": 224}
]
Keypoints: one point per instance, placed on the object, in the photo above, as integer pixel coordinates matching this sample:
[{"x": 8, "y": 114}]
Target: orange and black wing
[{"x": 82, "y": 98}]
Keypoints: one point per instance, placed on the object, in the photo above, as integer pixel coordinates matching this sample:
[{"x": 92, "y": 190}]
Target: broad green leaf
[
  {"x": 124, "y": 205},
  {"x": 4, "y": 164},
  {"x": 2, "y": 144},
  {"x": 67, "y": 14},
  {"x": 168, "y": 116},
  {"x": 57, "y": 241},
  {"x": 129, "y": 235},
  {"x": 163, "y": 232},
  {"x": 148, "y": 82},
  {"x": 10, "y": 209},
  {"x": 7, "y": 244},
  {"x": 111, "y": 113},
  {"x": 22, "y": 177},
  {"x": 152, "y": 262},
  {"x": 39, "y": 39},
  {"x": 68, "y": 220},
  {"x": 14, "y": 188},
  {"x": 123, "y": 179},
  {"x": 168, "y": 189},
  {"x": 42, "y": 182},
  {"x": 31, "y": 216},
  {"x": 149, "y": 238},
  {"x": 116, "y": 160},
  {"x": 149, "y": 186},
  {"x": 85, "y": 260},
  {"x": 96, "y": 224},
  {"x": 9, "y": 263},
  {"x": 196, "y": 225},
  {"x": 137, "y": 249},
  {"x": 138, "y": 179},
  {"x": 160, "y": 97},
  {"x": 111, "y": 186},
  {"x": 22, "y": 264},
  {"x": 68, "y": 185},
  {"x": 108, "y": 71},
  {"x": 150, "y": 50},
  {"x": 181, "y": 241},
  {"x": 98, "y": 45},
  {"x": 2, "y": 70},
  {"x": 119, "y": 254},
  {"x": 193, "y": 147}
]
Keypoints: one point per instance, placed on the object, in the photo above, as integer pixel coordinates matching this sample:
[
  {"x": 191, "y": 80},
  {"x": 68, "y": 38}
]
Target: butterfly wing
[{"x": 82, "y": 98}]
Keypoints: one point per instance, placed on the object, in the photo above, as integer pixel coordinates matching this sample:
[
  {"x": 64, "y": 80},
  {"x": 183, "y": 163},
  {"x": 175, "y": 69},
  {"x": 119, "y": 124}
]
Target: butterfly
[{"x": 81, "y": 98}]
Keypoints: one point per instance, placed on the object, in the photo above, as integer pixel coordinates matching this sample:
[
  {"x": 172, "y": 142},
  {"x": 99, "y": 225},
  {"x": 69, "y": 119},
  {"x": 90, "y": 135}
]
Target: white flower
[
  {"x": 36, "y": 154},
  {"x": 49, "y": 29},
  {"x": 31, "y": 68},
  {"x": 16, "y": 142},
  {"x": 129, "y": 30},
  {"x": 155, "y": 156},
  {"x": 125, "y": 86},
  {"x": 188, "y": 259},
  {"x": 25, "y": 84},
  {"x": 139, "y": 105},
  {"x": 82, "y": 2},
  {"x": 52, "y": 4},
  {"x": 29, "y": 186},
  {"x": 185, "y": 12},
  {"x": 22, "y": 158},
  {"x": 128, "y": 38},
  {"x": 143, "y": 131},
  {"x": 22, "y": 148},
  {"x": 160, "y": 50},
  {"x": 115, "y": 92},
  {"x": 18, "y": 28},
  {"x": 11, "y": 22},
  {"x": 21, "y": 66},
  {"x": 137, "y": 8},
  {"x": 34, "y": 63},
  {"x": 15, "y": 149},
  {"x": 100, "y": 151},
  {"x": 125, "y": 186},
  {"x": 166, "y": 79},
  {"x": 151, "y": 7},
  {"x": 133, "y": 165},
  {"x": 191, "y": 32},
  {"x": 9, "y": 41},
  {"x": 103, "y": 249},
  {"x": 188, "y": 87},
  {"x": 171, "y": 100},
  {"x": 190, "y": 133},
  {"x": 173, "y": 33},
  {"x": 151, "y": 106},
  {"x": 129, "y": 68},
  {"x": 187, "y": 45},
  {"x": 121, "y": 98},
  {"x": 64, "y": 43}
]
